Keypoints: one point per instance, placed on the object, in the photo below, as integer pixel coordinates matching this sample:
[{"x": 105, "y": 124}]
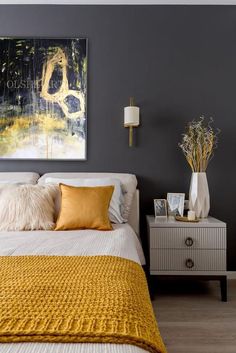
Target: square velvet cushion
[{"x": 84, "y": 207}]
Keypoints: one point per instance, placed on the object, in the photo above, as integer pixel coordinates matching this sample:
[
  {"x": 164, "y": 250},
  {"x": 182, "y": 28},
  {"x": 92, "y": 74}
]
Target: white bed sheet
[{"x": 122, "y": 242}]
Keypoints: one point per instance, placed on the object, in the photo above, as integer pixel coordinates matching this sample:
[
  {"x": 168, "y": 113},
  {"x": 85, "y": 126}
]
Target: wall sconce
[{"x": 131, "y": 119}]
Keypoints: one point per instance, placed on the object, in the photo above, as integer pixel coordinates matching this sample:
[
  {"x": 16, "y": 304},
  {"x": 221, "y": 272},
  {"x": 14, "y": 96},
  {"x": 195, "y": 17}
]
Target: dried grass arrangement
[{"x": 198, "y": 144}]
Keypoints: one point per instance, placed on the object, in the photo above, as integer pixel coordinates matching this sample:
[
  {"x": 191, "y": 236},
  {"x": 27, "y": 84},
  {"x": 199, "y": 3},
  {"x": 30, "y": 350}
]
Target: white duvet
[{"x": 122, "y": 242}]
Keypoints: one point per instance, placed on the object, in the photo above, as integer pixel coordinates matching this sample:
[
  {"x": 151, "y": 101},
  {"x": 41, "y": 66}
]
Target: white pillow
[
  {"x": 128, "y": 185},
  {"x": 116, "y": 200},
  {"x": 27, "y": 207}
]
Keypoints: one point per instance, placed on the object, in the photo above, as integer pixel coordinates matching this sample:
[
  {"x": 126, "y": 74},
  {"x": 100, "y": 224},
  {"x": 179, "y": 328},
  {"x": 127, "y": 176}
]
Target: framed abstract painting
[{"x": 43, "y": 98}]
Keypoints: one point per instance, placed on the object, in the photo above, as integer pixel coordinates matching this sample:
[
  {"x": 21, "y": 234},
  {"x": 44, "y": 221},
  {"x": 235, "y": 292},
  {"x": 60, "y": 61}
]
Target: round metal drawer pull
[
  {"x": 189, "y": 263},
  {"x": 189, "y": 241}
]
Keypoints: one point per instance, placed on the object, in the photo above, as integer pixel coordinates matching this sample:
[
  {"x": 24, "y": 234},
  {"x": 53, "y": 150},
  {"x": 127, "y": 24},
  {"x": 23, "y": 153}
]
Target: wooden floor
[{"x": 192, "y": 319}]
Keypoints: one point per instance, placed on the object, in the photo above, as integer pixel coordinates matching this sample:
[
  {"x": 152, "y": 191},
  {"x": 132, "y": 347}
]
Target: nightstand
[{"x": 188, "y": 249}]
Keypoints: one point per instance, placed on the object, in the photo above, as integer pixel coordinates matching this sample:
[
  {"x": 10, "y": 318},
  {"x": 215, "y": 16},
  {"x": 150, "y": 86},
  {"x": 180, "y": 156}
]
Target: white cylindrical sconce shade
[{"x": 131, "y": 116}]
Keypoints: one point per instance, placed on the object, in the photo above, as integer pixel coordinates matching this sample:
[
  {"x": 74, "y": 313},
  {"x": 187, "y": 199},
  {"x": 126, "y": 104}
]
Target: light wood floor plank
[{"x": 192, "y": 319}]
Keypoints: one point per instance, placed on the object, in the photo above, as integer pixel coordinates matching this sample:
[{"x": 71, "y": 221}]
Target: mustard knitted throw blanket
[{"x": 93, "y": 299}]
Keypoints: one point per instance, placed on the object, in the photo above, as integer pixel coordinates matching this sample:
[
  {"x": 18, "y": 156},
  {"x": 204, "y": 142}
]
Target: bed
[{"x": 122, "y": 242}]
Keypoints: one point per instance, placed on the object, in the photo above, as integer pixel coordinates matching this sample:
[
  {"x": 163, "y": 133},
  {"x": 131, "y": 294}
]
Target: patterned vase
[{"x": 199, "y": 198}]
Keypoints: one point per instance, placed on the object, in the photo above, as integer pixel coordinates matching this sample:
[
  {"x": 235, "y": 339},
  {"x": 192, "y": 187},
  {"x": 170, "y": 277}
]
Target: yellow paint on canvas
[{"x": 38, "y": 136}]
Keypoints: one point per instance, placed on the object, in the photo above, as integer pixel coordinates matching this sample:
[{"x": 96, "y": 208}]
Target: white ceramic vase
[{"x": 199, "y": 198}]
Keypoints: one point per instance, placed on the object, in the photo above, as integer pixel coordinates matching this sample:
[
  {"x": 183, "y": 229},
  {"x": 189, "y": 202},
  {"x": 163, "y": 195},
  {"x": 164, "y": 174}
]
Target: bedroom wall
[{"x": 178, "y": 62}]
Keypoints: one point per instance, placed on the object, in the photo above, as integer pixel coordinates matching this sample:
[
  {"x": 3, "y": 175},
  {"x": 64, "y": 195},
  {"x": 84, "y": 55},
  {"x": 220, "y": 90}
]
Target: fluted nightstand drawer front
[
  {"x": 189, "y": 250},
  {"x": 183, "y": 238},
  {"x": 187, "y": 260}
]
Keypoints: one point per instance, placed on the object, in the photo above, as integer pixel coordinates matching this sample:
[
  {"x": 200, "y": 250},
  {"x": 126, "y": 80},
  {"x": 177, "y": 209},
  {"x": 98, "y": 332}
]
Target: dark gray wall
[{"x": 178, "y": 62}]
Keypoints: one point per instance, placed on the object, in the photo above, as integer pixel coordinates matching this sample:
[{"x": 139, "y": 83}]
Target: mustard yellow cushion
[{"x": 84, "y": 207}]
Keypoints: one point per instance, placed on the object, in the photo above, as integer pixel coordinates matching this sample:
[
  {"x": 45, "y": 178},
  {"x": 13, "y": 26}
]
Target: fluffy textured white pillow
[
  {"x": 27, "y": 207},
  {"x": 116, "y": 200}
]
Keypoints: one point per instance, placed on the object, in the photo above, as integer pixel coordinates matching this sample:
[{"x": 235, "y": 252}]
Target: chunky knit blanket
[{"x": 90, "y": 299}]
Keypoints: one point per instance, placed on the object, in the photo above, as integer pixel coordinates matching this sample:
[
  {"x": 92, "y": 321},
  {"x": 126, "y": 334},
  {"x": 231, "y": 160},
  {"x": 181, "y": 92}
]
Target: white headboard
[{"x": 134, "y": 213}]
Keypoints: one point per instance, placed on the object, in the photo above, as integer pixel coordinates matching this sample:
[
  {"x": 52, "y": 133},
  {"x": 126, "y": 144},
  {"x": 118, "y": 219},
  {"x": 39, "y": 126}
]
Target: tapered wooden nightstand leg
[{"x": 223, "y": 288}]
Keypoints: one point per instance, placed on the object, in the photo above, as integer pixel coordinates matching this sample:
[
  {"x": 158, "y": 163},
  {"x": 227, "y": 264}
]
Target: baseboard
[{"x": 231, "y": 274}]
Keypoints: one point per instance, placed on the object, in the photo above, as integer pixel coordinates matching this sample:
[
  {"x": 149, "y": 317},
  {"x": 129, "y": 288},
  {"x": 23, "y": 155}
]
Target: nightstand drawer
[
  {"x": 187, "y": 260},
  {"x": 184, "y": 238}
]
